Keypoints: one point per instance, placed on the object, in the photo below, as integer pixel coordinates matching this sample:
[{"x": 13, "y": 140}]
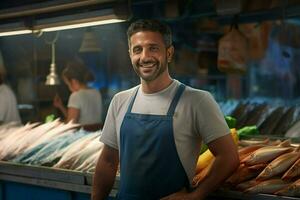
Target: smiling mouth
[{"x": 150, "y": 65}]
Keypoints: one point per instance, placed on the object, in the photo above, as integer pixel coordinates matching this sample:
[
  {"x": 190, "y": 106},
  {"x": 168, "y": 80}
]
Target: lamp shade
[
  {"x": 90, "y": 42},
  {"x": 52, "y": 78}
]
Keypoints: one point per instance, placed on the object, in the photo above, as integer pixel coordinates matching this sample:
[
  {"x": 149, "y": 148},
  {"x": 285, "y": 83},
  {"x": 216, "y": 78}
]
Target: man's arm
[
  {"x": 105, "y": 173},
  {"x": 225, "y": 163}
]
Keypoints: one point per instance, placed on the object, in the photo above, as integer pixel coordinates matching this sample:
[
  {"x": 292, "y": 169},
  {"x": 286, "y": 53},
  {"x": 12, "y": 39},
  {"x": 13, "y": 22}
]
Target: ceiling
[
  {"x": 250, "y": 10},
  {"x": 184, "y": 14}
]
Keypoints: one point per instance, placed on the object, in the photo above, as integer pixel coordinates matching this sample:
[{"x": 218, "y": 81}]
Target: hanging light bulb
[{"x": 52, "y": 78}]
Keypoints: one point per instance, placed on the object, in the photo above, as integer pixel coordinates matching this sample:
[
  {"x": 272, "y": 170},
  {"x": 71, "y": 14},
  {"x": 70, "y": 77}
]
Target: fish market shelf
[
  {"x": 89, "y": 180},
  {"x": 234, "y": 195},
  {"x": 36, "y": 177},
  {"x": 39, "y": 172},
  {"x": 47, "y": 183},
  {"x": 16, "y": 180}
]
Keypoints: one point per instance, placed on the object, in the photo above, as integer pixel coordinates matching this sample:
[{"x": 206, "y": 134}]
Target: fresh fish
[
  {"x": 34, "y": 134},
  {"x": 245, "y": 151},
  {"x": 241, "y": 121},
  {"x": 291, "y": 190},
  {"x": 268, "y": 187},
  {"x": 53, "y": 133},
  {"x": 252, "y": 142},
  {"x": 239, "y": 111},
  {"x": 8, "y": 128},
  {"x": 294, "y": 130},
  {"x": 276, "y": 142},
  {"x": 247, "y": 184},
  {"x": 244, "y": 173},
  {"x": 255, "y": 115},
  {"x": 285, "y": 122},
  {"x": 265, "y": 154},
  {"x": 89, "y": 164},
  {"x": 279, "y": 165},
  {"x": 7, "y": 145},
  {"x": 94, "y": 146},
  {"x": 258, "y": 167},
  {"x": 69, "y": 156},
  {"x": 50, "y": 147},
  {"x": 267, "y": 127},
  {"x": 292, "y": 172}
]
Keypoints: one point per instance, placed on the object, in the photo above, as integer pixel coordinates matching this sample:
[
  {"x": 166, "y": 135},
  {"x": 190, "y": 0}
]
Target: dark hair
[
  {"x": 76, "y": 69},
  {"x": 150, "y": 25}
]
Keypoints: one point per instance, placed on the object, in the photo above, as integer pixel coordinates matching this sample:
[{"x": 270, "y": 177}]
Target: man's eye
[
  {"x": 136, "y": 50},
  {"x": 154, "y": 48}
]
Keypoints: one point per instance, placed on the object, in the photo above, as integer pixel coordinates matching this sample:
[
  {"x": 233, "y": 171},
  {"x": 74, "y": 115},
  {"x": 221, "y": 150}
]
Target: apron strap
[
  {"x": 175, "y": 100},
  {"x": 132, "y": 100}
]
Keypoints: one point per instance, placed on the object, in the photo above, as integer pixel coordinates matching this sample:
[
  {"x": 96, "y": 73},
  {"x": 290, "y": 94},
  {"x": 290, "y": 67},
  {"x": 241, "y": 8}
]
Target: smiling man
[{"x": 154, "y": 130}]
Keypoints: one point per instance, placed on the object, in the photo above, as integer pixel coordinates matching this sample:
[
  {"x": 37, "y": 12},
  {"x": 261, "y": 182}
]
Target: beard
[{"x": 150, "y": 70}]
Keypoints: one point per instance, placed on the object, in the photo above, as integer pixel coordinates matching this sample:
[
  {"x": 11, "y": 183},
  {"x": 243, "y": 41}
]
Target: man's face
[{"x": 149, "y": 54}]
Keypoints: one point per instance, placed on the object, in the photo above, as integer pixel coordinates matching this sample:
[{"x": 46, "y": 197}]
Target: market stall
[
  {"x": 54, "y": 168},
  {"x": 43, "y": 158}
]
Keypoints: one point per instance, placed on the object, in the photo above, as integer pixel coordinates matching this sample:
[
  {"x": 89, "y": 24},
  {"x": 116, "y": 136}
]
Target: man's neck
[{"x": 155, "y": 85}]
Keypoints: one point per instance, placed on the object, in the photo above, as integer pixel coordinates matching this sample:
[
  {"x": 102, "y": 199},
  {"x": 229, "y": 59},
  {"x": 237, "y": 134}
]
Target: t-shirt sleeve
[
  {"x": 74, "y": 101},
  {"x": 212, "y": 122},
  {"x": 109, "y": 131}
]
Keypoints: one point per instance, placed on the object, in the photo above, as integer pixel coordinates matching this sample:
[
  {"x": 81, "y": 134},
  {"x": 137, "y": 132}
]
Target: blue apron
[{"x": 149, "y": 163}]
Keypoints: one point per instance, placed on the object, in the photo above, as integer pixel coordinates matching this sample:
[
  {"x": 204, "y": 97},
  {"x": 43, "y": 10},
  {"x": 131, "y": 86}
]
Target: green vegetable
[
  {"x": 231, "y": 121},
  {"x": 50, "y": 118},
  {"x": 204, "y": 147},
  {"x": 247, "y": 131}
]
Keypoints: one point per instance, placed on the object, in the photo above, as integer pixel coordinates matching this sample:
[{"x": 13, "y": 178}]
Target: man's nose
[{"x": 145, "y": 55}]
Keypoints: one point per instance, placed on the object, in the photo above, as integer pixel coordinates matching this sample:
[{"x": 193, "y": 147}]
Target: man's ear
[
  {"x": 170, "y": 53},
  {"x": 129, "y": 52}
]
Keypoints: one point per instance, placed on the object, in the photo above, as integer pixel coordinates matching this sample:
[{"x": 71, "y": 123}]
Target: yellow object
[
  {"x": 204, "y": 160},
  {"x": 206, "y": 157},
  {"x": 234, "y": 135}
]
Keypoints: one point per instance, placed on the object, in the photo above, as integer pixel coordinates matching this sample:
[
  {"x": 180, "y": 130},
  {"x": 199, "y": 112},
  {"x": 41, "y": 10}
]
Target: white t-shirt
[
  {"x": 89, "y": 102},
  {"x": 197, "y": 118},
  {"x": 8, "y": 105}
]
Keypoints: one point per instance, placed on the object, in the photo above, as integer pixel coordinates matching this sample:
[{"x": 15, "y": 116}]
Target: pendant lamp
[{"x": 52, "y": 78}]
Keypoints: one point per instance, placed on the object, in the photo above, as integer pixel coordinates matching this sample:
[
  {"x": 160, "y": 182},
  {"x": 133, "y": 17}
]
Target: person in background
[
  {"x": 84, "y": 104},
  {"x": 154, "y": 130},
  {"x": 8, "y": 103}
]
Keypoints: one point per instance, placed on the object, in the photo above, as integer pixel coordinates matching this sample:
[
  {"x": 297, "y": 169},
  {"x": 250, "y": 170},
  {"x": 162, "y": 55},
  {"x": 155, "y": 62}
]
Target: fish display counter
[
  {"x": 18, "y": 181},
  {"x": 47, "y": 161},
  {"x": 32, "y": 182},
  {"x": 268, "y": 165},
  {"x": 57, "y": 161}
]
